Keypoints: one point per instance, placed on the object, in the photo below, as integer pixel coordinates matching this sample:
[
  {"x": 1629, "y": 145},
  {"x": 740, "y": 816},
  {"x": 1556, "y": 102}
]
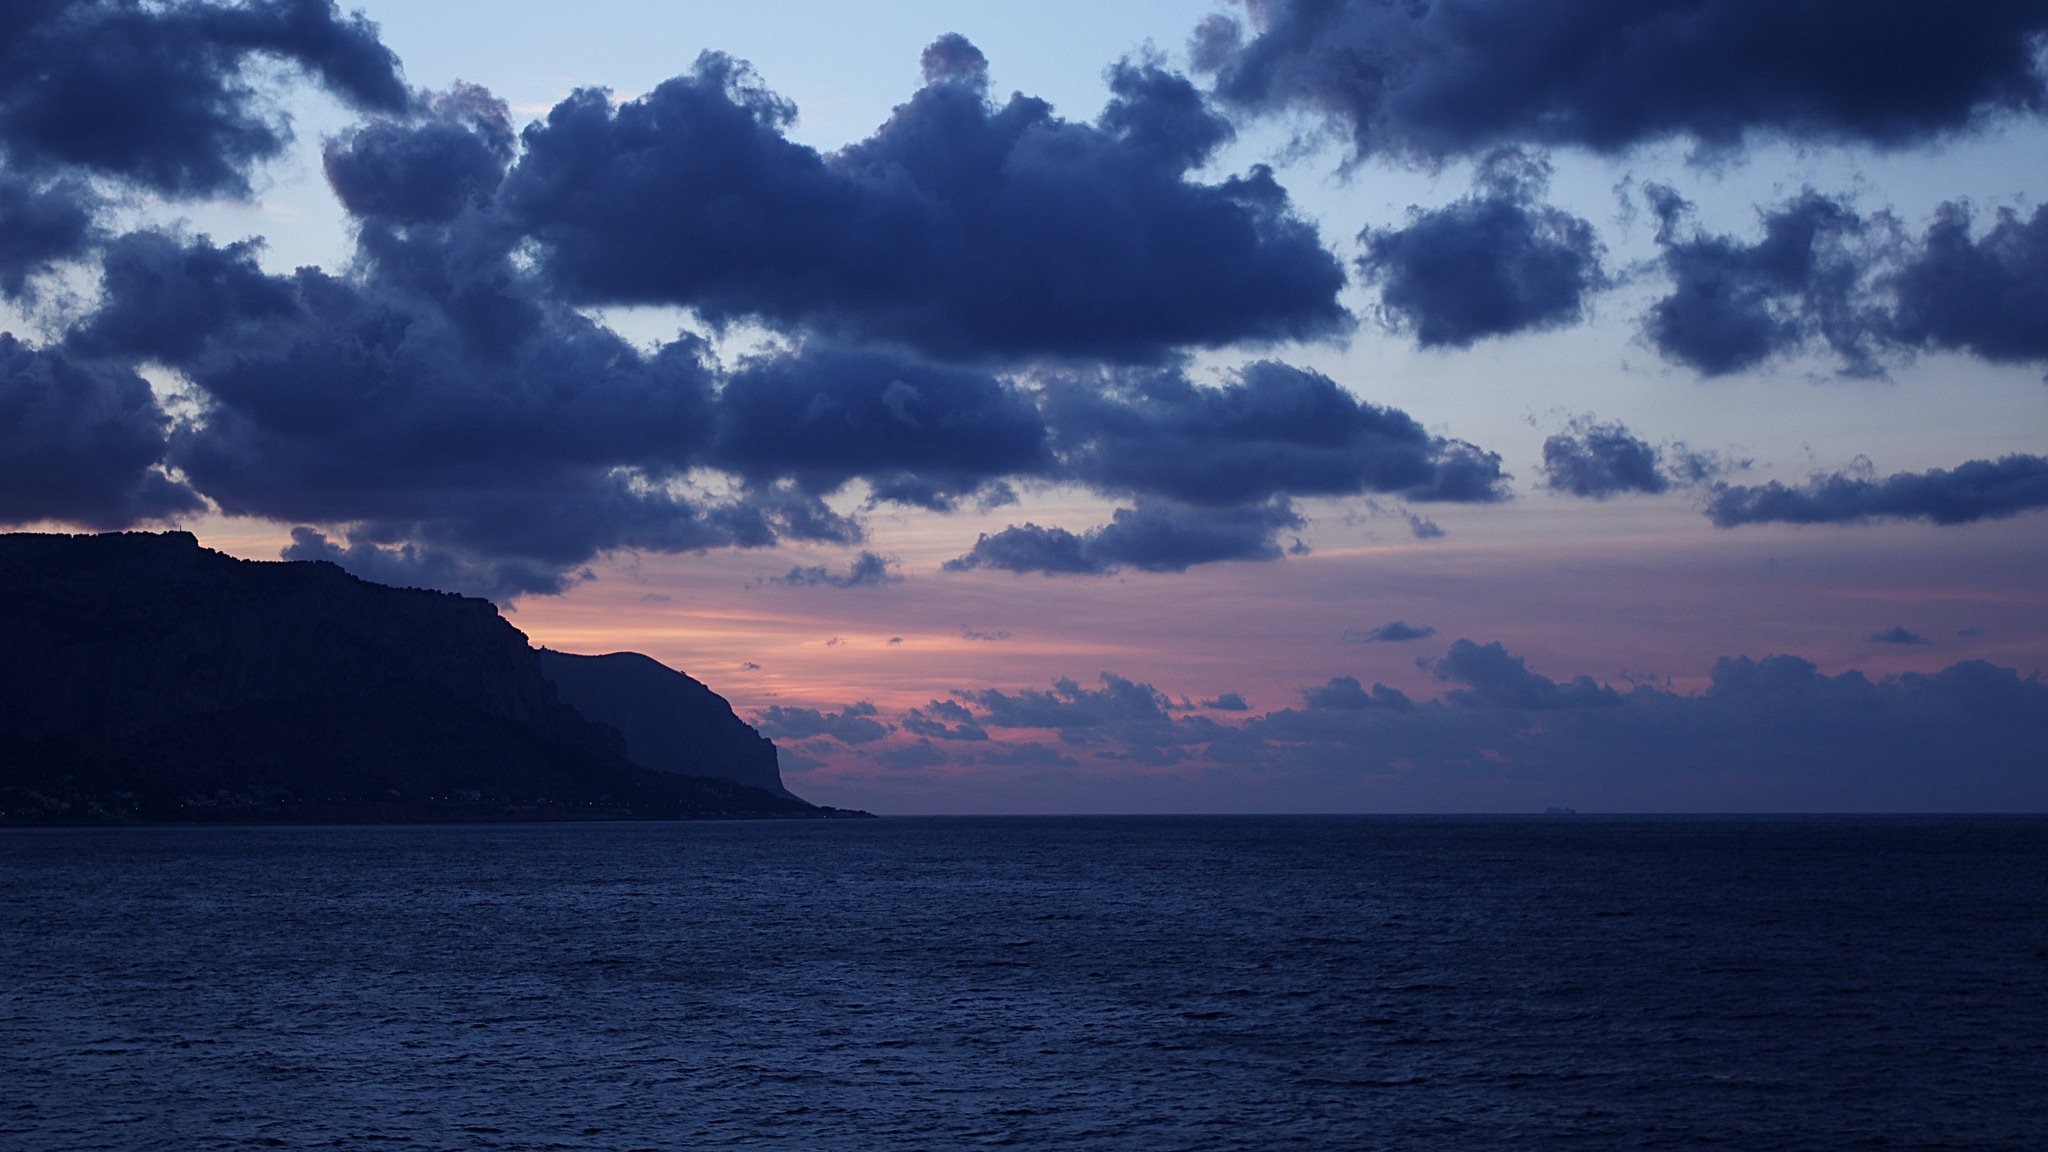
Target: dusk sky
[{"x": 1634, "y": 405}]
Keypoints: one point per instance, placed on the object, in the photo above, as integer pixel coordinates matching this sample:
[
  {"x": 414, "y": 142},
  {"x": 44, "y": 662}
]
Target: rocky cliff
[
  {"x": 145, "y": 677},
  {"x": 670, "y": 722}
]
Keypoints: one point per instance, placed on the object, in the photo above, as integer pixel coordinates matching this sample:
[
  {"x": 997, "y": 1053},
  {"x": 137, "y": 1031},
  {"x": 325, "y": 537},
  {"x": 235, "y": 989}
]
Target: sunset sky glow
[{"x": 1310, "y": 406}]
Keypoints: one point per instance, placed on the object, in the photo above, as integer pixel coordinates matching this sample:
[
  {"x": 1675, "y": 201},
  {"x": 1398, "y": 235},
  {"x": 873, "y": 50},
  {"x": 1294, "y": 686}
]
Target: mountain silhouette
[{"x": 144, "y": 677}]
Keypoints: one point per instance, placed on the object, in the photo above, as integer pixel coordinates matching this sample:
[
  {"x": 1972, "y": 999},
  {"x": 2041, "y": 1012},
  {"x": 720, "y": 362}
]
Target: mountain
[
  {"x": 143, "y": 677},
  {"x": 670, "y": 722}
]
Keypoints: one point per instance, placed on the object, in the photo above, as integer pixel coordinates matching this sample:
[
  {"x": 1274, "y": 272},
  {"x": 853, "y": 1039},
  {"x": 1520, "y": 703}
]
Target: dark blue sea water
[{"x": 1237, "y": 983}]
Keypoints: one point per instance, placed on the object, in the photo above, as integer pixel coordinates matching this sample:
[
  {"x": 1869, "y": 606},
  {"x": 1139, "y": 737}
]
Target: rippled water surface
[{"x": 1074, "y": 984}]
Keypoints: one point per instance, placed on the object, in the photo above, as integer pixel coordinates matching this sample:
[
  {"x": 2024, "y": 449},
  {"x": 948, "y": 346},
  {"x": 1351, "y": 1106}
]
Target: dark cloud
[
  {"x": 433, "y": 399},
  {"x": 1214, "y": 469},
  {"x": 42, "y": 224},
  {"x": 1028, "y": 547},
  {"x": 867, "y": 570},
  {"x": 1771, "y": 734},
  {"x": 1345, "y": 693},
  {"x": 1598, "y": 460},
  {"x": 436, "y": 402},
  {"x": 1686, "y": 466},
  {"x": 1392, "y": 632},
  {"x": 911, "y": 757},
  {"x": 1987, "y": 295},
  {"x": 1768, "y": 735},
  {"x": 1809, "y": 280},
  {"x": 161, "y": 95},
  {"x": 1490, "y": 677},
  {"x": 1153, "y": 537},
  {"x": 1432, "y": 80},
  {"x": 1125, "y": 718},
  {"x": 333, "y": 395},
  {"x": 1027, "y": 755},
  {"x": 821, "y": 416},
  {"x": 1972, "y": 491},
  {"x": 943, "y": 720},
  {"x": 1271, "y": 431},
  {"x": 404, "y": 565},
  {"x": 164, "y": 298},
  {"x": 1493, "y": 263},
  {"x": 953, "y": 59},
  {"x": 1898, "y": 634},
  {"x": 980, "y": 634},
  {"x": 1228, "y": 702},
  {"x": 853, "y": 724},
  {"x": 961, "y": 227},
  {"x": 1069, "y": 706},
  {"x": 80, "y": 442},
  {"x": 450, "y": 154}
]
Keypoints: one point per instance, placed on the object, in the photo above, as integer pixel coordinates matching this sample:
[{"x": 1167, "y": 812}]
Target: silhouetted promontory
[{"x": 144, "y": 678}]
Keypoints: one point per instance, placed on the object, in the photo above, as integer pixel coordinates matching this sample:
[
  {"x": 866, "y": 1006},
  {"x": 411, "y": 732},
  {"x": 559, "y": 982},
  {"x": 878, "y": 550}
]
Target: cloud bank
[
  {"x": 962, "y": 227},
  {"x": 1971, "y": 491},
  {"x": 1770, "y": 734},
  {"x": 1436, "y": 80}
]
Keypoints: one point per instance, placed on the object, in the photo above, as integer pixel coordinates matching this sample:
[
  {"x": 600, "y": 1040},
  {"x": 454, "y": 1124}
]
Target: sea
[{"x": 1257, "y": 983}]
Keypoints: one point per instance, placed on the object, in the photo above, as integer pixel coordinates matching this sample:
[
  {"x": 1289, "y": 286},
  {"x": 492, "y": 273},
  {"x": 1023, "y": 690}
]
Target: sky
[{"x": 1287, "y": 406}]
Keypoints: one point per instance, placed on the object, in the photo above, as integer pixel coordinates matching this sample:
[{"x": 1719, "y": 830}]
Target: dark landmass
[
  {"x": 145, "y": 678},
  {"x": 670, "y": 721}
]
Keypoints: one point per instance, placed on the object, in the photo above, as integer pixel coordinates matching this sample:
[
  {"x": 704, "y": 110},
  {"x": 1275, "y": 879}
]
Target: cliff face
[
  {"x": 142, "y": 676},
  {"x": 671, "y": 723},
  {"x": 116, "y": 634}
]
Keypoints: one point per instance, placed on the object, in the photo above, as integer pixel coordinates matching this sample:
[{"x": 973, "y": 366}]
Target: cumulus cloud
[
  {"x": 1346, "y": 694},
  {"x": 406, "y": 565},
  {"x": 1596, "y": 460},
  {"x": 1488, "y": 676},
  {"x": 1271, "y": 430},
  {"x": 1125, "y": 719},
  {"x": 963, "y": 227},
  {"x": 821, "y": 416},
  {"x": 1985, "y": 295},
  {"x": 1493, "y": 263},
  {"x": 450, "y": 153},
  {"x": 867, "y": 570},
  {"x": 421, "y": 400},
  {"x": 439, "y": 411},
  {"x": 1392, "y": 632},
  {"x": 1810, "y": 280},
  {"x": 1971, "y": 491},
  {"x": 161, "y": 95},
  {"x": 943, "y": 720},
  {"x": 42, "y": 224},
  {"x": 1435, "y": 80},
  {"x": 1153, "y": 537},
  {"x": 1228, "y": 702},
  {"x": 1772, "y": 733},
  {"x": 1600, "y": 460},
  {"x": 1898, "y": 634},
  {"x": 81, "y": 442},
  {"x": 1767, "y": 734},
  {"x": 1214, "y": 470},
  {"x": 853, "y": 724},
  {"x": 437, "y": 402}
]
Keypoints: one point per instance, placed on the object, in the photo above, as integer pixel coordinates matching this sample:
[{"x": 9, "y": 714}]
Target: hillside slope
[{"x": 143, "y": 677}]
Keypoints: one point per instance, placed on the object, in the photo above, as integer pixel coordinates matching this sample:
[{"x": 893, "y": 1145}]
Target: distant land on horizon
[{"x": 148, "y": 679}]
